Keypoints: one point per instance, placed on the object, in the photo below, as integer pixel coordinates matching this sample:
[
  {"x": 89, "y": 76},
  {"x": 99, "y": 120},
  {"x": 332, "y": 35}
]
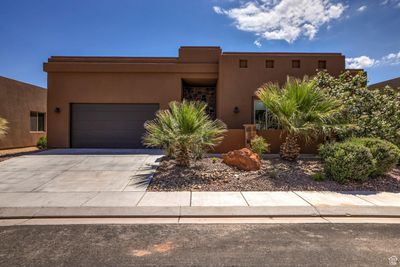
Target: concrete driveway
[{"x": 79, "y": 170}]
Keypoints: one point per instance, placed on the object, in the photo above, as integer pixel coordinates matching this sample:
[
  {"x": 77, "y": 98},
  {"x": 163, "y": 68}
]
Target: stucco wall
[
  {"x": 237, "y": 86},
  {"x": 107, "y": 87},
  {"x": 276, "y": 137},
  {"x": 17, "y": 101},
  {"x": 159, "y": 80},
  {"x": 234, "y": 139}
]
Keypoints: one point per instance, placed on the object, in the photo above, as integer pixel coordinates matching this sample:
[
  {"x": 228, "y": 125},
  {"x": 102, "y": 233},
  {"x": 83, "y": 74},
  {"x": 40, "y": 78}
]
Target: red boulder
[{"x": 243, "y": 159}]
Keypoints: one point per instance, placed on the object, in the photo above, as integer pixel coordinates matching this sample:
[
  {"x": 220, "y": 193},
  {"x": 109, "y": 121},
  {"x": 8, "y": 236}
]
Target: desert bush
[
  {"x": 259, "y": 145},
  {"x": 385, "y": 153},
  {"x": 347, "y": 161},
  {"x": 366, "y": 112},
  {"x": 42, "y": 142},
  {"x": 185, "y": 131}
]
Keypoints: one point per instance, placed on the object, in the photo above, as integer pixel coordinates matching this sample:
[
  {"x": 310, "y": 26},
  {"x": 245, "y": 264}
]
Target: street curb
[
  {"x": 191, "y": 212},
  {"x": 357, "y": 211},
  {"x": 252, "y": 211}
]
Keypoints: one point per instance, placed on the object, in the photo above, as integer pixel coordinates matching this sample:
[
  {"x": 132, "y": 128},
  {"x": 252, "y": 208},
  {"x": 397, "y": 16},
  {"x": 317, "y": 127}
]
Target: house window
[
  {"x": 262, "y": 118},
  {"x": 37, "y": 121},
  {"x": 322, "y": 64},
  {"x": 243, "y": 63},
  {"x": 269, "y": 64},
  {"x": 296, "y": 64}
]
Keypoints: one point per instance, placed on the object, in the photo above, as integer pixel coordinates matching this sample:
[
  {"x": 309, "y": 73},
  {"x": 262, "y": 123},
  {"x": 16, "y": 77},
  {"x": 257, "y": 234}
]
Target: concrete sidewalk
[{"x": 198, "y": 204}]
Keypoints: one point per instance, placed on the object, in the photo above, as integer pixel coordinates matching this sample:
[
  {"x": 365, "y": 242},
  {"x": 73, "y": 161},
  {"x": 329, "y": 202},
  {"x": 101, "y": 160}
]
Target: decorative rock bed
[{"x": 211, "y": 174}]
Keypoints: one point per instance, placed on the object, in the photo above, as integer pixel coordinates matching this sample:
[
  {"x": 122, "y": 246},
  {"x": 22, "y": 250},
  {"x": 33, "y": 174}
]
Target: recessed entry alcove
[{"x": 201, "y": 90}]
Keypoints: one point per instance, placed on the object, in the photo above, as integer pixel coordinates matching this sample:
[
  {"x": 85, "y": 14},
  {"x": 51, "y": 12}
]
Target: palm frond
[{"x": 299, "y": 107}]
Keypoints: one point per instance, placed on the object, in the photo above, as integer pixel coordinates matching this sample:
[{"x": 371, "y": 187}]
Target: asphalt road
[{"x": 200, "y": 245}]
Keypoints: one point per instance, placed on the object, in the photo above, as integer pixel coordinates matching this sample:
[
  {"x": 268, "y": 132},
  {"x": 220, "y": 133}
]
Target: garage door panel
[
  {"x": 119, "y": 116},
  {"x": 104, "y": 115},
  {"x": 107, "y": 134},
  {"x": 100, "y": 125},
  {"x": 109, "y": 125}
]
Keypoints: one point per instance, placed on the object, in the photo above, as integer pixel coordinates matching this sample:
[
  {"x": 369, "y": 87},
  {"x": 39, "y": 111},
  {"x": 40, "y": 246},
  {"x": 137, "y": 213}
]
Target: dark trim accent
[
  {"x": 245, "y": 64},
  {"x": 296, "y": 60},
  {"x": 269, "y": 60}
]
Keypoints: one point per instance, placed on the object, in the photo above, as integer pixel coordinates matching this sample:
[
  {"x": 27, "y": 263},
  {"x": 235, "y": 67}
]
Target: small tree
[
  {"x": 301, "y": 109},
  {"x": 369, "y": 113},
  {"x": 3, "y": 127},
  {"x": 185, "y": 131}
]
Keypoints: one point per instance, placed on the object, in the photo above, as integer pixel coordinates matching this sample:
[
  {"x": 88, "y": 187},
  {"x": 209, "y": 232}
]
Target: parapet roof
[{"x": 190, "y": 49}]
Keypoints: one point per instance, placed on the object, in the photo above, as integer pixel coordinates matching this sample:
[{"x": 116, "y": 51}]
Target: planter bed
[{"x": 275, "y": 174}]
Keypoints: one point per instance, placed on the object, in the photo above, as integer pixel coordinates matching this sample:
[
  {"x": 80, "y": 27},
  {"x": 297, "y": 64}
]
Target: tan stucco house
[
  {"x": 24, "y": 107},
  {"x": 104, "y": 101}
]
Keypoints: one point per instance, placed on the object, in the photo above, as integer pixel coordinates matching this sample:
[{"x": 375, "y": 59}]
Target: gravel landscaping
[{"x": 210, "y": 174}]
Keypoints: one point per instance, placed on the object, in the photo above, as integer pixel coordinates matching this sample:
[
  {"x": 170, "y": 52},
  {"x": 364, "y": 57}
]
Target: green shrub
[
  {"x": 318, "y": 176},
  {"x": 42, "y": 142},
  {"x": 273, "y": 174},
  {"x": 184, "y": 130},
  {"x": 385, "y": 153},
  {"x": 366, "y": 112},
  {"x": 259, "y": 145},
  {"x": 347, "y": 161}
]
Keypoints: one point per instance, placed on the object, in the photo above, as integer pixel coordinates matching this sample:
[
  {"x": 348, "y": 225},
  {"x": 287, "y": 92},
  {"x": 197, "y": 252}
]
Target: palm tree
[
  {"x": 301, "y": 109},
  {"x": 3, "y": 127},
  {"x": 185, "y": 131}
]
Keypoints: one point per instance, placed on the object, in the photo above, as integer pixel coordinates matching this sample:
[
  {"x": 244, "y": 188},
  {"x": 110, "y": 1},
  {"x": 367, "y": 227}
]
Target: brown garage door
[{"x": 109, "y": 125}]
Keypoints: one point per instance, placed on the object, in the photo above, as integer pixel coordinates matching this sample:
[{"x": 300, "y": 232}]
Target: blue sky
[{"x": 367, "y": 32}]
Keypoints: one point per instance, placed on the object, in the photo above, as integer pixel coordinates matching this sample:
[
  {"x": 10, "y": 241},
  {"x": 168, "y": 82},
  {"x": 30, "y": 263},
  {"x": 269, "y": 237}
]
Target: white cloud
[
  {"x": 367, "y": 62},
  {"x": 359, "y": 62},
  {"x": 390, "y": 59},
  {"x": 283, "y": 19},
  {"x": 257, "y": 43},
  {"x": 362, "y": 8},
  {"x": 394, "y": 2},
  {"x": 218, "y": 10}
]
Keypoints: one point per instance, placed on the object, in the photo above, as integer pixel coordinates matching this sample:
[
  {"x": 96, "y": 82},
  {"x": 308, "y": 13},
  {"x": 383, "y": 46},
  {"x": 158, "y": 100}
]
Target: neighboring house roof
[
  {"x": 10, "y": 83},
  {"x": 394, "y": 83}
]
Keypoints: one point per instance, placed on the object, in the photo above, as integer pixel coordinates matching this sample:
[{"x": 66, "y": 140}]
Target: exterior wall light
[
  {"x": 236, "y": 110},
  {"x": 57, "y": 110}
]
